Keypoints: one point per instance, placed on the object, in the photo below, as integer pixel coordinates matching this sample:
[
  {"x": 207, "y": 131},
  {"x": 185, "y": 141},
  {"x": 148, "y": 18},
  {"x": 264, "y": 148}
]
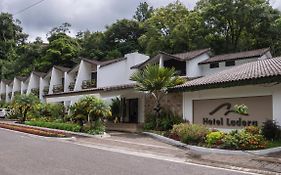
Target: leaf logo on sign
[{"x": 238, "y": 109}]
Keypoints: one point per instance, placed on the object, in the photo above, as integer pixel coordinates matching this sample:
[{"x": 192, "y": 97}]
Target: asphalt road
[{"x": 23, "y": 154}]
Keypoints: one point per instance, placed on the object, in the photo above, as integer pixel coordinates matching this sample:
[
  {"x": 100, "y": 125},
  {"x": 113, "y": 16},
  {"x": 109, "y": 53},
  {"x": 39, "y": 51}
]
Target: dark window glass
[
  {"x": 94, "y": 76},
  {"x": 214, "y": 65},
  {"x": 230, "y": 63}
]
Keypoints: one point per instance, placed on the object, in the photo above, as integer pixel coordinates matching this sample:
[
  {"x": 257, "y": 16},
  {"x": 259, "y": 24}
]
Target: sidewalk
[{"x": 136, "y": 143}]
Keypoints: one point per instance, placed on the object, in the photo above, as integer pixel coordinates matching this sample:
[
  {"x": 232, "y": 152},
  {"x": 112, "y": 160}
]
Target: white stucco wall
[
  {"x": 42, "y": 83},
  {"x": 243, "y": 91},
  {"x": 24, "y": 85},
  {"x": 2, "y": 87},
  {"x": 71, "y": 99},
  {"x": 119, "y": 73},
  {"x": 84, "y": 73},
  {"x": 8, "y": 89},
  {"x": 16, "y": 86},
  {"x": 33, "y": 82},
  {"x": 56, "y": 79},
  {"x": 206, "y": 70},
  {"x": 192, "y": 67}
]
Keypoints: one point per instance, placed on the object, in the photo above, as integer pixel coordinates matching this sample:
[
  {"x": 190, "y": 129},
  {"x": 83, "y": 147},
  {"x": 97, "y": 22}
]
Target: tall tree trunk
[{"x": 158, "y": 114}]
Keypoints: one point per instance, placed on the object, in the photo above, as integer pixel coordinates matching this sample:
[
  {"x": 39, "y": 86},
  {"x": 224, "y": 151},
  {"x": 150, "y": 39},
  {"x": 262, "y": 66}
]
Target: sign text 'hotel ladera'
[{"x": 222, "y": 121}]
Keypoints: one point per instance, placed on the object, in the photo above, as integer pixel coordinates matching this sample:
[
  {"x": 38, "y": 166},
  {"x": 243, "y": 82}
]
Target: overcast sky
[{"x": 81, "y": 14}]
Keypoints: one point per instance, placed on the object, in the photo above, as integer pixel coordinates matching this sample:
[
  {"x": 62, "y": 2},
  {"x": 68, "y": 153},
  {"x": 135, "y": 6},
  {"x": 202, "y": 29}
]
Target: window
[
  {"x": 94, "y": 76},
  {"x": 214, "y": 65},
  {"x": 230, "y": 63}
]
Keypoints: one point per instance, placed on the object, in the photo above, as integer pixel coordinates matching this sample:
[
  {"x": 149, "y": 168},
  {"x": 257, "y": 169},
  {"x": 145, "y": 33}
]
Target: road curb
[
  {"x": 203, "y": 150},
  {"x": 58, "y": 130}
]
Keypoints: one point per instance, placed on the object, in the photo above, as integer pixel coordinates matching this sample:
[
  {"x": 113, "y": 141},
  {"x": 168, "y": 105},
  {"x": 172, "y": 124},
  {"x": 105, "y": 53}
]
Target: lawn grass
[
  {"x": 272, "y": 144},
  {"x": 55, "y": 125}
]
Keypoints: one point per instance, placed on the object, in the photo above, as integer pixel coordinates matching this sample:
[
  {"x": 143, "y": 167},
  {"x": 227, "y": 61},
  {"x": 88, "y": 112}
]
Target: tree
[
  {"x": 235, "y": 25},
  {"x": 62, "y": 50},
  {"x": 11, "y": 36},
  {"x": 29, "y": 56},
  {"x": 123, "y": 35},
  {"x": 160, "y": 26},
  {"x": 91, "y": 109},
  {"x": 63, "y": 28},
  {"x": 92, "y": 44},
  {"x": 78, "y": 114},
  {"x": 22, "y": 104},
  {"x": 143, "y": 12},
  {"x": 156, "y": 81}
]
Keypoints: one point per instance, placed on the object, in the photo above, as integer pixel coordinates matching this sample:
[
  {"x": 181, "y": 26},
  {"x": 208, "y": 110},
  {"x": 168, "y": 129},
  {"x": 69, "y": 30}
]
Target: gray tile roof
[
  {"x": 39, "y": 74},
  {"x": 61, "y": 68},
  {"x": 108, "y": 62},
  {"x": 262, "y": 71},
  {"x": 96, "y": 62},
  {"x": 179, "y": 56},
  {"x": 6, "y": 81},
  {"x": 236, "y": 56},
  {"x": 21, "y": 78}
]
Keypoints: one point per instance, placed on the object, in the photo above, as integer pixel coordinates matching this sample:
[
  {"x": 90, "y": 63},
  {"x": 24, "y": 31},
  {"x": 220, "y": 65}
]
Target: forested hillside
[{"x": 225, "y": 26}]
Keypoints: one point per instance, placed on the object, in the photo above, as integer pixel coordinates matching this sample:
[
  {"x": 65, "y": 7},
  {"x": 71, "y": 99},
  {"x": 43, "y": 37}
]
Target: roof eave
[{"x": 244, "y": 82}]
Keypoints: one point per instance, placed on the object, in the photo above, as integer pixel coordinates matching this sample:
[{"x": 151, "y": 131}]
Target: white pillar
[{"x": 161, "y": 61}]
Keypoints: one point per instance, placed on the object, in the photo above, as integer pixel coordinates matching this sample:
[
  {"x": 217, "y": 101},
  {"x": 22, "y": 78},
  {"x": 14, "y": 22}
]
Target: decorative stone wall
[{"x": 172, "y": 102}]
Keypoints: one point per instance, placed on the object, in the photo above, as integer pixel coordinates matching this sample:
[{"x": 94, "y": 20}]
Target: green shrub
[
  {"x": 253, "y": 130},
  {"x": 244, "y": 140},
  {"x": 190, "y": 133},
  {"x": 115, "y": 107},
  {"x": 271, "y": 130},
  {"x": 97, "y": 127},
  {"x": 166, "y": 121},
  {"x": 49, "y": 111},
  {"x": 21, "y": 105},
  {"x": 55, "y": 125},
  {"x": 214, "y": 138}
]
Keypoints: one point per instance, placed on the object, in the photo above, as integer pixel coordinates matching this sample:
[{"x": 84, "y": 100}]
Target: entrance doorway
[{"x": 133, "y": 110}]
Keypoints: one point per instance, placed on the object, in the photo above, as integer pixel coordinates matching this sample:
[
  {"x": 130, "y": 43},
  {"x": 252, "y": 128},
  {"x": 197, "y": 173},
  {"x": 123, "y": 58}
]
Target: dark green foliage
[
  {"x": 143, "y": 12},
  {"x": 123, "y": 35},
  {"x": 156, "y": 80},
  {"x": 115, "y": 108},
  {"x": 244, "y": 140},
  {"x": 271, "y": 130},
  {"x": 48, "y": 111},
  {"x": 22, "y": 104},
  {"x": 166, "y": 121},
  {"x": 225, "y": 26}
]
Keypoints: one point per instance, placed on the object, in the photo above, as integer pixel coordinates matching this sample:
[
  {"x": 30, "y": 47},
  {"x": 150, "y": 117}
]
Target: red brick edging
[{"x": 35, "y": 131}]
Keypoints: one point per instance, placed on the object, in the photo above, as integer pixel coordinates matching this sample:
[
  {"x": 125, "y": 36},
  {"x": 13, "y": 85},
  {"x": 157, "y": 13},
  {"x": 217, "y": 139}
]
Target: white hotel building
[{"x": 215, "y": 84}]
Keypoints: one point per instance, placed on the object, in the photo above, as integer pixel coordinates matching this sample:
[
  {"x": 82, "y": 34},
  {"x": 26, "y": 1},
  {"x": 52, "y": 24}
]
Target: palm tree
[
  {"x": 22, "y": 104},
  {"x": 91, "y": 108},
  {"x": 156, "y": 81}
]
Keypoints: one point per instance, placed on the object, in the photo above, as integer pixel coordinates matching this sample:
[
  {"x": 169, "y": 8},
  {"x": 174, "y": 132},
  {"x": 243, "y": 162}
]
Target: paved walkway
[
  {"x": 135, "y": 142},
  {"x": 145, "y": 144}
]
